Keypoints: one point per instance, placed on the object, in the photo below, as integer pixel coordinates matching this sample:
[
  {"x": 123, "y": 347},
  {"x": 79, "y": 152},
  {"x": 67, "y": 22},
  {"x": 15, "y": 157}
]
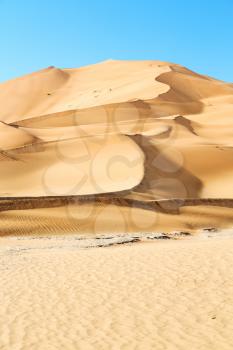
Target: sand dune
[
  {"x": 11, "y": 137},
  {"x": 134, "y": 131},
  {"x": 56, "y": 90}
]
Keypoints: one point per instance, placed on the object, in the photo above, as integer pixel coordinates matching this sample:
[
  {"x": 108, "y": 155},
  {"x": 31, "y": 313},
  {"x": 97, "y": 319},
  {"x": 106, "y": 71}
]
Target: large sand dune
[{"x": 124, "y": 132}]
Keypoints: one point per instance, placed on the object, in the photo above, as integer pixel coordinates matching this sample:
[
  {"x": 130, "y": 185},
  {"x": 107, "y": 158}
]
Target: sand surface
[
  {"x": 150, "y": 295},
  {"x": 121, "y": 136},
  {"x": 116, "y": 209}
]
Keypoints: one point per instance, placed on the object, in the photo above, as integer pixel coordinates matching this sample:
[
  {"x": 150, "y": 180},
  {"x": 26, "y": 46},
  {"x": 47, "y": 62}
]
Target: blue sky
[{"x": 68, "y": 33}]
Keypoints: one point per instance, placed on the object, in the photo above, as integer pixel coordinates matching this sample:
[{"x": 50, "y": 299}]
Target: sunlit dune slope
[{"x": 55, "y": 90}]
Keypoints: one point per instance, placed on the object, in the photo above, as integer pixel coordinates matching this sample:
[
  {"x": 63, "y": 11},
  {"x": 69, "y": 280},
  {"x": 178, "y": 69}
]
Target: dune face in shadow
[
  {"x": 187, "y": 91},
  {"x": 165, "y": 173},
  {"x": 137, "y": 142}
]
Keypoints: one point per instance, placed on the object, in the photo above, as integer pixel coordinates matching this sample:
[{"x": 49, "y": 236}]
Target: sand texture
[{"x": 160, "y": 295}]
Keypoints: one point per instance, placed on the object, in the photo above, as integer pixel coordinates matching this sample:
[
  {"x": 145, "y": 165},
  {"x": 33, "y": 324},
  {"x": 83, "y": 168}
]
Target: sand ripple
[{"x": 161, "y": 295}]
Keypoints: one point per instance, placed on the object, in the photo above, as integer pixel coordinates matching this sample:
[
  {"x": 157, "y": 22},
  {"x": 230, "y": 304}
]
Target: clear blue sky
[{"x": 71, "y": 33}]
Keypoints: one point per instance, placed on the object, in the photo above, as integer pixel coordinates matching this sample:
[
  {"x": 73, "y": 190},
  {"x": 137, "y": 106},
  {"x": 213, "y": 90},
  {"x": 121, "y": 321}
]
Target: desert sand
[
  {"x": 116, "y": 200},
  {"x": 57, "y": 294}
]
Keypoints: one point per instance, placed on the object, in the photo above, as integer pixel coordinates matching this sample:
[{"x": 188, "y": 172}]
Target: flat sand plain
[{"x": 166, "y": 294}]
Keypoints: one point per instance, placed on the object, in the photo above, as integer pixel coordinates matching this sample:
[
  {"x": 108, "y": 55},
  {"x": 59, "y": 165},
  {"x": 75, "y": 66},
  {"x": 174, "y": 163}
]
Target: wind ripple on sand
[{"x": 148, "y": 296}]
